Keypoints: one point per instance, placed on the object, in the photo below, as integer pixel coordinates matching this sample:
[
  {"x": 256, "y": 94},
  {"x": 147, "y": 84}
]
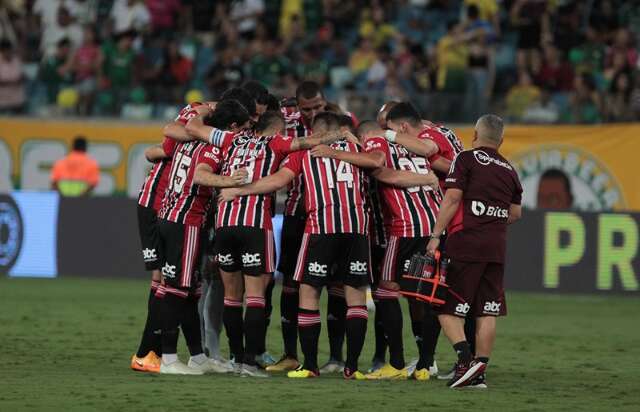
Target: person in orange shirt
[{"x": 76, "y": 174}]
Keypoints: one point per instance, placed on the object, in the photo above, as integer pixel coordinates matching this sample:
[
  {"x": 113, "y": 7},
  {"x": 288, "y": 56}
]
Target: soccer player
[
  {"x": 149, "y": 202},
  {"x": 334, "y": 245},
  {"x": 410, "y": 216},
  {"x": 184, "y": 209},
  {"x": 483, "y": 197}
]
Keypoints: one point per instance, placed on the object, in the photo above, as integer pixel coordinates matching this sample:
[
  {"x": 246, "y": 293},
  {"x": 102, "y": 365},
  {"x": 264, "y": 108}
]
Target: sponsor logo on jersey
[
  {"x": 358, "y": 268},
  {"x": 225, "y": 259},
  {"x": 251, "y": 259},
  {"x": 484, "y": 159},
  {"x": 592, "y": 186},
  {"x": 463, "y": 308},
  {"x": 149, "y": 255},
  {"x": 491, "y": 308},
  {"x": 169, "y": 271},
  {"x": 480, "y": 209},
  {"x": 316, "y": 269}
]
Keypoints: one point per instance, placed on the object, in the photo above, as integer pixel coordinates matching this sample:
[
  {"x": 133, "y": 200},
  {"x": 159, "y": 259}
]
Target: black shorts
[
  {"x": 398, "y": 255},
  {"x": 149, "y": 237},
  {"x": 290, "y": 241},
  {"x": 377, "y": 256},
  {"x": 340, "y": 257},
  {"x": 475, "y": 288},
  {"x": 180, "y": 251},
  {"x": 250, "y": 250}
]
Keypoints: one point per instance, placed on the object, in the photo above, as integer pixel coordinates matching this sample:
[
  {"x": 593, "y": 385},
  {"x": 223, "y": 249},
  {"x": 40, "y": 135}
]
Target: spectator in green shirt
[
  {"x": 55, "y": 71},
  {"x": 268, "y": 67},
  {"x": 118, "y": 61}
]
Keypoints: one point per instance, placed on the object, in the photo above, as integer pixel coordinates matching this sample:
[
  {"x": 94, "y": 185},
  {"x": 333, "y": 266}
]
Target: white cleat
[
  {"x": 433, "y": 369},
  {"x": 210, "y": 366},
  {"x": 179, "y": 368},
  {"x": 333, "y": 366},
  {"x": 411, "y": 367},
  {"x": 252, "y": 371}
]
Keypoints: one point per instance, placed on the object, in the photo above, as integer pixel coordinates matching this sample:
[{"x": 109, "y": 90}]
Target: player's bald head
[{"x": 490, "y": 129}]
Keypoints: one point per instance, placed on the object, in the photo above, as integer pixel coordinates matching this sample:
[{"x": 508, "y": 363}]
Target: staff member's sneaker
[
  {"x": 286, "y": 363},
  {"x": 150, "y": 363},
  {"x": 478, "y": 383},
  {"x": 465, "y": 374},
  {"x": 302, "y": 373},
  {"x": 388, "y": 372}
]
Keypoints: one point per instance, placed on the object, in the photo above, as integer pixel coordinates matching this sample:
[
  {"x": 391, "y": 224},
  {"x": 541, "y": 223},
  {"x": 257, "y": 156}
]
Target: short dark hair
[
  {"x": 273, "y": 103},
  {"x": 331, "y": 120},
  {"x": 558, "y": 174},
  {"x": 308, "y": 90},
  {"x": 404, "y": 111},
  {"x": 256, "y": 90},
  {"x": 367, "y": 126},
  {"x": 344, "y": 120},
  {"x": 268, "y": 119},
  {"x": 79, "y": 144},
  {"x": 473, "y": 12},
  {"x": 5, "y": 44},
  {"x": 243, "y": 97},
  {"x": 226, "y": 113}
]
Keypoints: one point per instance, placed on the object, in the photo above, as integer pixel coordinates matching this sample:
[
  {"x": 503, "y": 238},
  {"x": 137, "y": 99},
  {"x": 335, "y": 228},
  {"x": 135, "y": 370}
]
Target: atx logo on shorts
[
  {"x": 463, "y": 308},
  {"x": 225, "y": 259},
  {"x": 169, "y": 271},
  {"x": 316, "y": 269},
  {"x": 358, "y": 268},
  {"x": 251, "y": 259},
  {"x": 149, "y": 255},
  {"x": 491, "y": 308},
  {"x": 479, "y": 209}
]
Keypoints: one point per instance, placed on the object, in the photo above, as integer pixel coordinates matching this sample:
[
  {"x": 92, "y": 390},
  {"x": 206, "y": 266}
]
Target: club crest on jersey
[{"x": 592, "y": 186}]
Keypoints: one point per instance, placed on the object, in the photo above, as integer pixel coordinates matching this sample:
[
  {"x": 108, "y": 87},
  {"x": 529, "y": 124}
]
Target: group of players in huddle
[{"x": 362, "y": 199}]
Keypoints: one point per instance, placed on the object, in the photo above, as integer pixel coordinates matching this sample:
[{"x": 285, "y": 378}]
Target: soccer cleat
[
  {"x": 478, "y": 382},
  {"x": 285, "y": 363},
  {"x": 265, "y": 360},
  {"x": 465, "y": 374},
  {"x": 353, "y": 375},
  {"x": 433, "y": 369},
  {"x": 210, "y": 366},
  {"x": 411, "y": 367},
  {"x": 376, "y": 364},
  {"x": 150, "y": 363},
  {"x": 333, "y": 366},
  {"x": 178, "y": 368},
  {"x": 301, "y": 373},
  {"x": 224, "y": 363},
  {"x": 449, "y": 375},
  {"x": 421, "y": 374},
  {"x": 252, "y": 371},
  {"x": 388, "y": 372}
]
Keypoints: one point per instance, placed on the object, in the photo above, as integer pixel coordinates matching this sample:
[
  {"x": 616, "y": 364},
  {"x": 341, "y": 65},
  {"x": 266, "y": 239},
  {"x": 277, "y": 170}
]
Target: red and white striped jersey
[
  {"x": 185, "y": 202},
  {"x": 448, "y": 144},
  {"x": 409, "y": 212},
  {"x": 295, "y": 127},
  {"x": 261, "y": 156},
  {"x": 334, "y": 195}
]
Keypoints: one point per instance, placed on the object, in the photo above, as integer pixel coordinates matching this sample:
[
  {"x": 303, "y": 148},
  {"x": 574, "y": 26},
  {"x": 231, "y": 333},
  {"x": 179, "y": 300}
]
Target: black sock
[
  {"x": 233, "y": 324},
  {"x": 470, "y": 332},
  {"x": 392, "y": 321},
  {"x": 150, "y": 340},
  {"x": 463, "y": 351},
  {"x": 191, "y": 326},
  {"x": 416, "y": 330},
  {"x": 253, "y": 328},
  {"x": 356, "y": 327},
  {"x": 309, "y": 330},
  {"x": 336, "y": 315},
  {"x": 268, "y": 308},
  {"x": 483, "y": 359},
  {"x": 381, "y": 340},
  {"x": 430, "y": 335},
  {"x": 173, "y": 308},
  {"x": 289, "y": 315}
]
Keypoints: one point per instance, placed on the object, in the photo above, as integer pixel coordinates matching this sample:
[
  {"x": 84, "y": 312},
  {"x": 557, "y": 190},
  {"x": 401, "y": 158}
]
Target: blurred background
[{"x": 543, "y": 61}]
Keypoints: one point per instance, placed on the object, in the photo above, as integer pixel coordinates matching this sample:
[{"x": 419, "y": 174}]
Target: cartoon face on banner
[{"x": 566, "y": 177}]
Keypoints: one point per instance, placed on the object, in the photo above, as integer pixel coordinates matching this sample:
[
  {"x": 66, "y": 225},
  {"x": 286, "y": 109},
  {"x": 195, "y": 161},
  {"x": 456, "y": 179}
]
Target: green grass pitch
[{"x": 66, "y": 344}]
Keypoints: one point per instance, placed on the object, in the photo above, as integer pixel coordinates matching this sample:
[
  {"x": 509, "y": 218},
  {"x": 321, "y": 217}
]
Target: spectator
[
  {"x": 522, "y": 96},
  {"x": 585, "y": 102},
  {"x": 226, "y": 74},
  {"x": 604, "y": 20},
  {"x": 245, "y": 14},
  {"x": 86, "y": 66},
  {"x": 529, "y": 17},
  {"x": 617, "y": 65},
  {"x": 362, "y": 57},
  {"x": 118, "y": 66},
  {"x": 377, "y": 73},
  {"x": 375, "y": 27},
  {"x": 618, "y": 100},
  {"x": 77, "y": 174},
  {"x": 452, "y": 56},
  {"x": 64, "y": 28},
  {"x": 164, "y": 14},
  {"x": 12, "y": 93},
  {"x": 269, "y": 66},
  {"x": 47, "y": 13},
  {"x": 556, "y": 74},
  {"x": 55, "y": 71},
  {"x": 588, "y": 57},
  {"x": 488, "y": 10},
  {"x": 177, "y": 71},
  {"x": 129, "y": 15},
  {"x": 622, "y": 44},
  {"x": 544, "y": 111},
  {"x": 312, "y": 67}
]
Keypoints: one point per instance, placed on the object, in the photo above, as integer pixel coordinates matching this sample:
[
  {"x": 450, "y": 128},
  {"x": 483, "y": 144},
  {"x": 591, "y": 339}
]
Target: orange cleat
[{"x": 150, "y": 363}]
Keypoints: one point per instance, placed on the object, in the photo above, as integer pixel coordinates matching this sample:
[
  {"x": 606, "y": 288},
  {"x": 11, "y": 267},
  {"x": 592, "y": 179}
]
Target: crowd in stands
[{"x": 545, "y": 61}]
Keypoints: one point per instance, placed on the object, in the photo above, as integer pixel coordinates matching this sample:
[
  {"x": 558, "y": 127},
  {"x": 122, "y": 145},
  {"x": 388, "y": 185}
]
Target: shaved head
[
  {"x": 490, "y": 129},
  {"x": 368, "y": 127}
]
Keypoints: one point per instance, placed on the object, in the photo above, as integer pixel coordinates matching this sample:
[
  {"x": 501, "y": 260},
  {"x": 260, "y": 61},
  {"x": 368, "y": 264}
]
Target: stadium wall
[
  {"x": 44, "y": 235},
  {"x": 599, "y": 161}
]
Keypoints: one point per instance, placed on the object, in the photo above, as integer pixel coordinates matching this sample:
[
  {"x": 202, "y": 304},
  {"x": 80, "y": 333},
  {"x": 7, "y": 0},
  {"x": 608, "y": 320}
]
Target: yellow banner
[{"x": 597, "y": 161}]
